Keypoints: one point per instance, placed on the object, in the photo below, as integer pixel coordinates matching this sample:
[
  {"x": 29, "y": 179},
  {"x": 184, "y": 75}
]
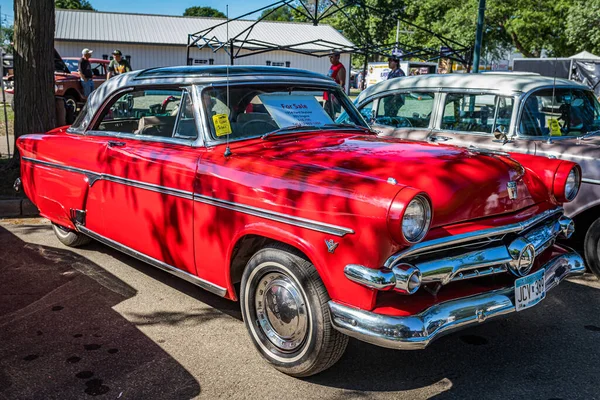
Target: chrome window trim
[
  {"x": 246, "y": 209},
  {"x": 144, "y": 138},
  {"x": 208, "y": 139},
  {"x": 204, "y": 284},
  {"x": 442, "y": 108},
  {"x": 523, "y": 98}
]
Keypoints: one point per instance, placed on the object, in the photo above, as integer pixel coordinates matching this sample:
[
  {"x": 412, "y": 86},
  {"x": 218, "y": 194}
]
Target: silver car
[{"x": 510, "y": 112}]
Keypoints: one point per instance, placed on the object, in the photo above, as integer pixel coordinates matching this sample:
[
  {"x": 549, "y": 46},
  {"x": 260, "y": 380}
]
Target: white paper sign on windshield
[{"x": 295, "y": 110}]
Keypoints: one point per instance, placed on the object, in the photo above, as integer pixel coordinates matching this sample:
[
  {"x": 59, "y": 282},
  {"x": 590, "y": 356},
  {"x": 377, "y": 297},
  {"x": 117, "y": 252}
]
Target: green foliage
[
  {"x": 73, "y": 5},
  {"x": 583, "y": 26},
  {"x": 6, "y": 37},
  {"x": 281, "y": 14},
  {"x": 203, "y": 12}
]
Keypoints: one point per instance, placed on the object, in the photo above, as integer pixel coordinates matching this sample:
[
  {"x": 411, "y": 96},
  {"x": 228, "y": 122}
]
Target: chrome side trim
[
  {"x": 470, "y": 236},
  {"x": 592, "y": 181},
  {"x": 211, "y": 287},
  {"x": 417, "y": 331},
  {"x": 258, "y": 212},
  {"x": 275, "y": 216}
]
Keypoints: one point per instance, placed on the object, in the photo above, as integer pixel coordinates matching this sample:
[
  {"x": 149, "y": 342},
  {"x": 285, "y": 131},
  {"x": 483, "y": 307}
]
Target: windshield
[
  {"x": 570, "y": 112},
  {"x": 257, "y": 110},
  {"x": 73, "y": 65}
]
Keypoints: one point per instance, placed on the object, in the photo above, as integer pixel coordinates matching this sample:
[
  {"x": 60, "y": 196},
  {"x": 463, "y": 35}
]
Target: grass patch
[{"x": 11, "y": 120}]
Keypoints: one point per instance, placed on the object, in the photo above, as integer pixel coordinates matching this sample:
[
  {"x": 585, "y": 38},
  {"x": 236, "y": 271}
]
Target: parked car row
[
  {"x": 67, "y": 80},
  {"x": 266, "y": 185}
]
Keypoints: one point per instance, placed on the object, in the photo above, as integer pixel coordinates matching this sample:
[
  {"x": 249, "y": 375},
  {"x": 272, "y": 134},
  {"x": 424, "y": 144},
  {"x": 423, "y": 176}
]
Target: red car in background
[{"x": 66, "y": 79}]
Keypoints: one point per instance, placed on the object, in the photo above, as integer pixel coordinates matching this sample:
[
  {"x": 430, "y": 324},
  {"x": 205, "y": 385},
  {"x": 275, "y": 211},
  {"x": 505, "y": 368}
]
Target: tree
[
  {"x": 7, "y": 38},
  {"x": 74, "y": 5},
  {"x": 203, "y": 12},
  {"x": 34, "y": 66},
  {"x": 281, "y": 14},
  {"x": 583, "y": 26}
]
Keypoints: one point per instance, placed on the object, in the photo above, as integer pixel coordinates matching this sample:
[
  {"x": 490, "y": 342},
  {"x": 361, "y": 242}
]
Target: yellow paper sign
[
  {"x": 222, "y": 126},
  {"x": 554, "y": 127}
]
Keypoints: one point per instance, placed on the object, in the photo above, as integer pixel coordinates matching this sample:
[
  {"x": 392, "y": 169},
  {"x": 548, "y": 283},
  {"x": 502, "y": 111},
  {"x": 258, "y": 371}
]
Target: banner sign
[{"x": 295, "y": 110}]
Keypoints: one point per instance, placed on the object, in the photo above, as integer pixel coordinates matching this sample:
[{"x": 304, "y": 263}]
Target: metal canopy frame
[{"x": 323, "y": 48}]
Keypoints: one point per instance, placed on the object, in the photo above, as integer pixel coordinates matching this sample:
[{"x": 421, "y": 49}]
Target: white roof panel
[{"x": 92, "y": 26}]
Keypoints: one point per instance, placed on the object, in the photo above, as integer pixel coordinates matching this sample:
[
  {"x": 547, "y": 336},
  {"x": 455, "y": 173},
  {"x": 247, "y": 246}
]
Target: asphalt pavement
[{"x": 93, "y": 322}]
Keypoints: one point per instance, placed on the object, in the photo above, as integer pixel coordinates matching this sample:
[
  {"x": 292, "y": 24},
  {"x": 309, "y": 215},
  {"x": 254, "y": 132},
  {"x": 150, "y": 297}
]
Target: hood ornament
[
  {"x": 511, "y": 186},
  {"x": 331, "y": 245}
]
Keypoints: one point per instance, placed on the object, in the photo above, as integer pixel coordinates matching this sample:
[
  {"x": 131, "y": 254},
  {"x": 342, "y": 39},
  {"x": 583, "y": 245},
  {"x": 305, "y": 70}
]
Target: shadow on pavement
[
  {"x": 550, "y": 353},
  {"x": 60, "y": 338}
]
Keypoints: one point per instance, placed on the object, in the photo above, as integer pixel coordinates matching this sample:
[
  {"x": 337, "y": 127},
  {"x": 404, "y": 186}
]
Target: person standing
[
  {"x": 118, "y": 65},
  {"x": 85, "y": 72},
  {"x": 337, "y": 71},
  {"x": 396, "y": 71}
]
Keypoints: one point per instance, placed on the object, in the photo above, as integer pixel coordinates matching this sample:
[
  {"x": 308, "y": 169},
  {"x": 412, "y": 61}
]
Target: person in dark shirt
[
  {"x": 85, "y": 72},
  {"x": 118, "y": 65},
  {"x": 396, "y": 71}
]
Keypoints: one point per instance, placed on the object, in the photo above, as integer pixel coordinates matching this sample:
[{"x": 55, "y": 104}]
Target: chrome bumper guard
[
  {"x": 417, "y": 331},
  {"x": 476, "y": 254}
]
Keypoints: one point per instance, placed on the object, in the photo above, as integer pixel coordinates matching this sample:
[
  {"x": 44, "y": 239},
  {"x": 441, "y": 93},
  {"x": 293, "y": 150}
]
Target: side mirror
[{"x": 500, "y": 133}]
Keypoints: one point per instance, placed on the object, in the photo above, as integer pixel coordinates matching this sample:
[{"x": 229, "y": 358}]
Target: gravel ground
[{"x": 94, "y": 322}]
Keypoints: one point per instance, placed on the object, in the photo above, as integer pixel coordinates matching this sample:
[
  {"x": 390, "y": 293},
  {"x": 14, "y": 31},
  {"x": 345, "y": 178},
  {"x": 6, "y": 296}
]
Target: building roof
[
  {"x": 585, "y": 55},
  {"x": 500, "y": 82},
  {"x": 106, "y": 27}
]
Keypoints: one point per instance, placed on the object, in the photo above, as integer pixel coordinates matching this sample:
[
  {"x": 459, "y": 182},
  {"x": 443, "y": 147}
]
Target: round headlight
[
  {"x": 572, "y": 185},
  {"x": 416, "y": 219}
]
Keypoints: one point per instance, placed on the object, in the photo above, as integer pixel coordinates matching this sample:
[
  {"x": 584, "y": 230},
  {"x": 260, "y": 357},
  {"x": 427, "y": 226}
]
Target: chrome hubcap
[{"x": 281, "y": 311}]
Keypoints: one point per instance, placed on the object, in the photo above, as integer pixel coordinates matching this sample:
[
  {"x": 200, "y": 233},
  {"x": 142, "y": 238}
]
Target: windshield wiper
[
  {"x": 589, "y": 134},
  {"x": 348, "y": 125},
  {"x": 288, "y": 128}
]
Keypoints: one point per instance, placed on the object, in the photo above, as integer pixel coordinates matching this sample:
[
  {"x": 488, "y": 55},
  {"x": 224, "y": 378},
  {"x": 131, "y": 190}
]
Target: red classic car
[{"x": 228, "y": 176}]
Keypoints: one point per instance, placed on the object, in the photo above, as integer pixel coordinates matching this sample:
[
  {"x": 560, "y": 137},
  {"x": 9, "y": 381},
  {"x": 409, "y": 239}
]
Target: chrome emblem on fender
[
  {"x": 331, "y": 245},
  {"x": 512, "y": 190}
]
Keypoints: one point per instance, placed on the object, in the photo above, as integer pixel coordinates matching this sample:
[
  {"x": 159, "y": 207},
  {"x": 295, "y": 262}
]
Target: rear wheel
[
  {"x": 284, "y": 305},
  {"x": 69, "y": 237},
  {"x": 592, "y": 248}
]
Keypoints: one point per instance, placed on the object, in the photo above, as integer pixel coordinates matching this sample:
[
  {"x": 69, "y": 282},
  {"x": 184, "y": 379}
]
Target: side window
[
  {"x": 367, "y": 111},
  {"x": 405, "y": 110},
  {"x": 143, "y": 112},
  {"x": 186, "y": 123},
  {"x": 476, "y": 112}
]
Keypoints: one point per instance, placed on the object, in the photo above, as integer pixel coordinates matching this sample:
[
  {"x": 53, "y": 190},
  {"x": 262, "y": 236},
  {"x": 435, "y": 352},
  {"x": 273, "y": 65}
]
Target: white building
[{"x": 158, "y": 40}]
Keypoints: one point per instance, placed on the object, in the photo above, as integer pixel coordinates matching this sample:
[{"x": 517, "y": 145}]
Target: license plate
[{"x": 530, "y": 290}]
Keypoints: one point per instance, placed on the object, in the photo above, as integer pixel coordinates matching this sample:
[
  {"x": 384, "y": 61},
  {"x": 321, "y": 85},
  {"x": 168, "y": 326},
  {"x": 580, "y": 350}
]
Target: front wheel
[
  {"x": 592, "y": 248},
  {"x": 284, "y": 305},
  {"x": 70, "y": 237}
]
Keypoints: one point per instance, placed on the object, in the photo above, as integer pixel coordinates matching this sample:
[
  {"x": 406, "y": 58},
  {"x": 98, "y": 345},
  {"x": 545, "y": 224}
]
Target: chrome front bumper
[{"x": 417, "y": 331}]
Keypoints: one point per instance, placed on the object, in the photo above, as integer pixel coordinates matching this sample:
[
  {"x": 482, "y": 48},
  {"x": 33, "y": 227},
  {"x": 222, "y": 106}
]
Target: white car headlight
[
  {"x": 572, "y": 185},
  {"x": 416, "y": 219}
]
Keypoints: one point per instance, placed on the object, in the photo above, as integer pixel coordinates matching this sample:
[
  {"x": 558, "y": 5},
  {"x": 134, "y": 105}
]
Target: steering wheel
[
  {"x": 406, "y": 122},
  {"x": 268, "y": 126}
]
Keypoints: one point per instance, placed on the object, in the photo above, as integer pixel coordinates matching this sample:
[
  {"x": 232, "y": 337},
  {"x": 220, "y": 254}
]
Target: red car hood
[{"x": 463, "y": 184}]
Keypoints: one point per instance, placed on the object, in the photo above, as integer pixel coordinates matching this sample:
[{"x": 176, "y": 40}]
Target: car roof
[
  {"x": 223, "y": 70},
  {"x": 204, "y": 75},
  {"x": 501, "y": 82}
]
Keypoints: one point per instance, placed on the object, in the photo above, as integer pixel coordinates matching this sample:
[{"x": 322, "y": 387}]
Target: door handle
[
  {"x": 438, "y": 138},
  {"x": 113, "y": 143}
]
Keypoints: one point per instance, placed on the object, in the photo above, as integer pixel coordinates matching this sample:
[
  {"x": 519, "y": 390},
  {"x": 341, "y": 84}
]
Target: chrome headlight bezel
[
  {"x": 572, "y": 184},
  {"x": 421, "y": 205}
]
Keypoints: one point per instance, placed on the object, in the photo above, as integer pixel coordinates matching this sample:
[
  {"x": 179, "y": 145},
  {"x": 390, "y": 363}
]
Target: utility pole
[{"x": 479, "y": 36}]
